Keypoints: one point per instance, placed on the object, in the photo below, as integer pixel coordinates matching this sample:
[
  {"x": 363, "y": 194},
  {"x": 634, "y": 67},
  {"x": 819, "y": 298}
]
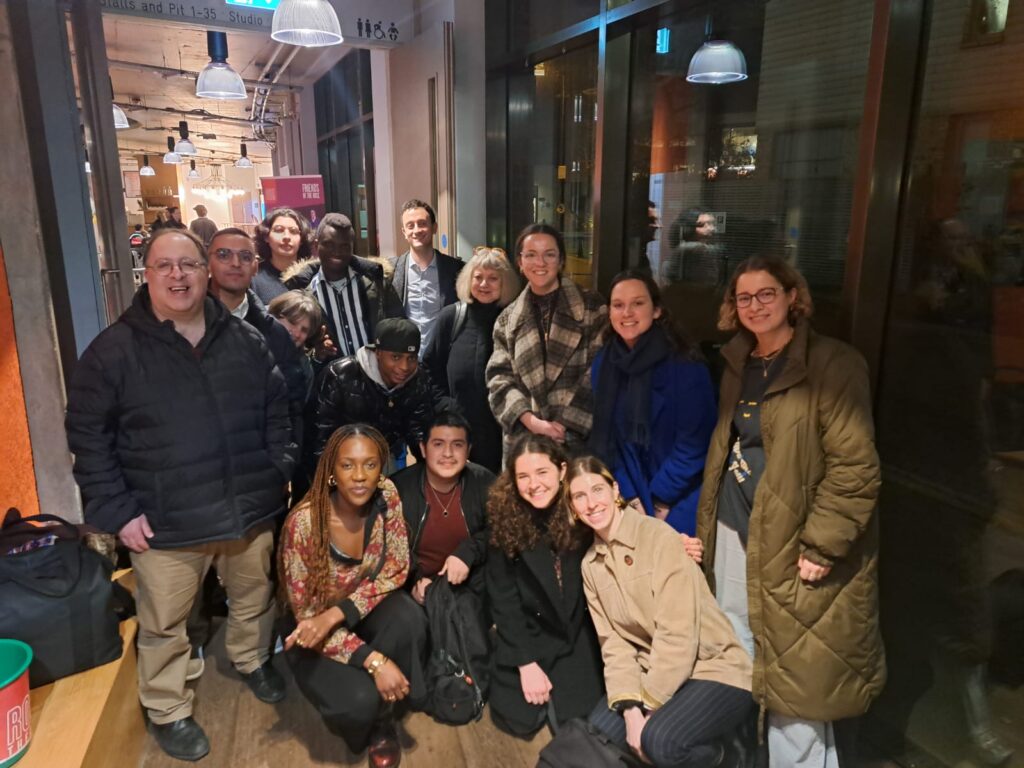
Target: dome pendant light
[
  {"x": 218, "y": 80},
  {"x": 307, "y": 23},
  {"x": 120, "y": 118},
  {"x": 172, "y": 157},
  {"x": 184, "y": 146},
  {"x": 243, "y": 161},
  {"x": 716, "y": 62},
  {"x": 192, "y": 173},
  {"x": 146, "y": 169}
]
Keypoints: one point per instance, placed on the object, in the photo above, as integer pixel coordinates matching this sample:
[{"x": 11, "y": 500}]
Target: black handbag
[
  {"x": 57, "y": 596},
  {"x": 578, "y": 744}
]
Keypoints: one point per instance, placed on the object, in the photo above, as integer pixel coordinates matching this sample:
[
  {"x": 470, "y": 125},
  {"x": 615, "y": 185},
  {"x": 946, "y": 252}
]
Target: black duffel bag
[{"x": 57, "y": 596}]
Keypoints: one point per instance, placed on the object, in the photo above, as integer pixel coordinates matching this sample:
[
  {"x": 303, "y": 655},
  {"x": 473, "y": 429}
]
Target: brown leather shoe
[{"x": 384, "y": 750}]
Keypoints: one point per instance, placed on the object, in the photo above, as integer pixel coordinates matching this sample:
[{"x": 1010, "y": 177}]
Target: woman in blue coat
[{"x": 654, "y": 406}]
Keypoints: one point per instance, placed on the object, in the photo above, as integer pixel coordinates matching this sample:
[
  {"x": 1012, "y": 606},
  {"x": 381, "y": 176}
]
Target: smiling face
[
  {"x": 235, "y": 274},
  {"x": 396, "y": 368},
  {"x": 334, "y": 248},
  {"x": 540, "y": 263},
  {"x": 538, "y": 479},
  {"x": 181, "y": 293},
  {"x": 763, "y": 319},
  {"x": 357, "y": 470},
  {"x": 446, "y": 453},
  {"x": 284, "y": 239},
  {"x": 631, "y": 311},
  {"x": 593, "y": 500},
  {"x": 417, "y": 228},
  {"x": 485, "y": 285}
]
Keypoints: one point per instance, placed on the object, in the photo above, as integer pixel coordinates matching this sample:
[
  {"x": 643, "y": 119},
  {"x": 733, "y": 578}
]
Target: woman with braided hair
[{"x": 356, "y": 639}]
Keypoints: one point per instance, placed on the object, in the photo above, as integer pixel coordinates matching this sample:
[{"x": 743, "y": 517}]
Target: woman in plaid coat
[{"x": 544, "y": 344}]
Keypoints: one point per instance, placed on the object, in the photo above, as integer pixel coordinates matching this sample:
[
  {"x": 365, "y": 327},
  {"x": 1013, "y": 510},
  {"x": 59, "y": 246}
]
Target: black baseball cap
[{"x": 396, "y": 334}]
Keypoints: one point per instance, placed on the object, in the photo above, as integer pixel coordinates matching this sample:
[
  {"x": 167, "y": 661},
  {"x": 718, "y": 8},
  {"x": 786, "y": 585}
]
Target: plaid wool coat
[{"x": 518, "y": 380}]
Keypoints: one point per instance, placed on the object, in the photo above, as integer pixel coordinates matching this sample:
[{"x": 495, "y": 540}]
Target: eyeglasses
[
  {"x": 187, "y": 267},
  {"x": 546, "y": 256},
  {"x": 764, "y": 297},
  {"x": 225, "y": 255}
]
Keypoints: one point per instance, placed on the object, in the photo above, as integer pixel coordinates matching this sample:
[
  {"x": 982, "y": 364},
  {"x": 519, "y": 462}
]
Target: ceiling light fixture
[
  {"x": 218, "y": 80},
  {"x": 307, "y": 23},
  {"x": 146, "y": 169},
  {"x": 172, "y": 157},
  {"x": 184, "y": 146},
  {"x": 192, "y": 173},
  {"x": 215, "y": 187},
  {"x": 120, "y": 118},
  {"x": 243, "y": 161},
  {"x": 716, "y": 62}
]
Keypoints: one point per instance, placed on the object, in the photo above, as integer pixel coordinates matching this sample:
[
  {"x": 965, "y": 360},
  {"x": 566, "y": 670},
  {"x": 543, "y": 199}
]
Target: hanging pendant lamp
[
  {"x": 172, "y": 157},
  {"x": 146, "y": 169},
  {"x": 120, "y": 118},
  {"x": 716, "y": 62},
  {"x": 192, "y": 173},
  {"x": 243, "y": 161},
  {"x": 218, "y": 80},
  {"x": 184, "y": 146},
  {"x": 307, "y": 23}
]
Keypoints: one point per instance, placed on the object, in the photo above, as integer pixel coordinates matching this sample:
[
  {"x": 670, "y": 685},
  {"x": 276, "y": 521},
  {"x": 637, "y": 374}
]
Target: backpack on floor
[
  {"x": 578, "y": 744},
  {"x": 457, "y": 671}
]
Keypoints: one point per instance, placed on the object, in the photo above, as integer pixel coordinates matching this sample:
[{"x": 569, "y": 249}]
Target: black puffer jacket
[
  {"x": 199, "y": 440},
  {"x": 349, "y": 395}
]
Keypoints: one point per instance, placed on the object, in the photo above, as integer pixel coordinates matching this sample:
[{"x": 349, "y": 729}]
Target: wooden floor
[{"x": 246, "y": 732}]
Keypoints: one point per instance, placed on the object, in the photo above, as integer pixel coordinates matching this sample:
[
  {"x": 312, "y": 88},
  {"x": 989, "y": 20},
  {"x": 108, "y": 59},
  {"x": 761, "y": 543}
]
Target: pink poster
[{"x": 305, "y": 194}]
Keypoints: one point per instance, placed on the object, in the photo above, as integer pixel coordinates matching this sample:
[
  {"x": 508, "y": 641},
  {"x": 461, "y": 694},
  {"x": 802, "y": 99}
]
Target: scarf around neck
[{"x": 627, "y": 373}]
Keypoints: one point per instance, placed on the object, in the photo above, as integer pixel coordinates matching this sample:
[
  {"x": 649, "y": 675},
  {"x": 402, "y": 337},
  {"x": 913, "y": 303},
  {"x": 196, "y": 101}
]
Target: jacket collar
[
  {"x": 738, "y": 349},
  {"x": 140, "y": 317},
  {"x": 626, "y": 535}
]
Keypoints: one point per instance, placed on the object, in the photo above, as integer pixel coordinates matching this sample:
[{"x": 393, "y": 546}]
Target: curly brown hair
[
  {"x": 514, "y": 523},
  {"x": 318, "y": 501},
  {"x": 787, "y": 275}
]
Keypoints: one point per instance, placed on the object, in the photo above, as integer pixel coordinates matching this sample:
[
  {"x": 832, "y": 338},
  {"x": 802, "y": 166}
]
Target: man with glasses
[
  {"x": 178, "y": 419},
  {"x": 424, "y": 278}
]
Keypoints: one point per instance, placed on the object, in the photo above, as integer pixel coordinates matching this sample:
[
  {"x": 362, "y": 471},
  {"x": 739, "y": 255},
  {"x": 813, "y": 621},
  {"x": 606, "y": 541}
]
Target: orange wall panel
[{"x": 17, "y": 475}]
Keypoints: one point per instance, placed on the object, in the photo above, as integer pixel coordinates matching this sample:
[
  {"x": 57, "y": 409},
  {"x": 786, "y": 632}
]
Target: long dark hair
[
  {"x": 681, "y": 344},
  {"x": 512, "y": 520},
  {"x": 262, "y": 239},
  {"x": 318, "y": 500}
]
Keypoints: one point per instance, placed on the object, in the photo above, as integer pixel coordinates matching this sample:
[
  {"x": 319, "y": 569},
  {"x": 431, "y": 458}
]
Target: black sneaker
[
  {"x": 183, "y": 739},
  {"x": 266, "y": 684}
]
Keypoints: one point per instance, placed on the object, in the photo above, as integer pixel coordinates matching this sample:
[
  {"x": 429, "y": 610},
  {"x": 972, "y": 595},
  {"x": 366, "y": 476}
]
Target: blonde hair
[
  {"x": 486, "y": 257},
  {"x": 787, "y": 275}
]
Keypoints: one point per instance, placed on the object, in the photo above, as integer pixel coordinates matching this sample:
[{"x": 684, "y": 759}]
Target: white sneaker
[{"x": 196, "y": 666}]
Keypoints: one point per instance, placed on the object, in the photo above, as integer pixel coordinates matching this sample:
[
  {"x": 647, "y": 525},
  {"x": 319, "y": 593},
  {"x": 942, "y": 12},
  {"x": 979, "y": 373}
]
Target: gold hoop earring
[
  {"x": 620, "y": 502},
  {"x": 332, "y": 482}
]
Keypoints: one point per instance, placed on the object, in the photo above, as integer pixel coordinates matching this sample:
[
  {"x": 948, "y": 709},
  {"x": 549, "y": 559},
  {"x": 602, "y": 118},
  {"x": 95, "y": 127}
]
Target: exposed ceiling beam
[{"x": 171, "y": 72}]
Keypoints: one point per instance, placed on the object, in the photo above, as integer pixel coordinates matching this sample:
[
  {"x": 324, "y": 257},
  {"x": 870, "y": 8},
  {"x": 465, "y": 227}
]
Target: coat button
[{"x": 627, "y": 560}]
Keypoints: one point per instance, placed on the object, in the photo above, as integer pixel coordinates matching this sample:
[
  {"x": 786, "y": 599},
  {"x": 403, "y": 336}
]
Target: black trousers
[
  {"x": 684, "y": 731},
  {"x": 345, "y": 695}
]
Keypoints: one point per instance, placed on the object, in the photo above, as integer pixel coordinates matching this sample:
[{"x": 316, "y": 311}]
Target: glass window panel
[
  {"x": 951, "y": 408},
  {"x": 535, "y": 19},
  {"x": 719, "y": 172}
]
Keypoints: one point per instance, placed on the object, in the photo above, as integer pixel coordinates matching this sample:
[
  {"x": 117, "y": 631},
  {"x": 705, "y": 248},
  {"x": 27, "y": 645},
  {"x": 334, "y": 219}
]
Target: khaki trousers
[{"x": 167, "y": 583}]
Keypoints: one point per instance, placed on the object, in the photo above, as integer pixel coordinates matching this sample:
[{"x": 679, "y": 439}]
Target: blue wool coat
[{"x": 683, "y": 415}]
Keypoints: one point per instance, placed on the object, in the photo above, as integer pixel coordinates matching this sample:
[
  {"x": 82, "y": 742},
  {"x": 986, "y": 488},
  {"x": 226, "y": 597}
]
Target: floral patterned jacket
[{"x": 353, "y": 589}]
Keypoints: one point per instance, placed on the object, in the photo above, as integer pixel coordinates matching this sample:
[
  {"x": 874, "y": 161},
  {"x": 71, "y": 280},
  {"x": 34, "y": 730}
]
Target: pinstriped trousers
[{"x": 685, "y": 731}]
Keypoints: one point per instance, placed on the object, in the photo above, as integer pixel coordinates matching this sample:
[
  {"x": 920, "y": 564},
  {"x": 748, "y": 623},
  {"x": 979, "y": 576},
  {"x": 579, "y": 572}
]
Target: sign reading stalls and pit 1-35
[{"x": 364, "y": 23}]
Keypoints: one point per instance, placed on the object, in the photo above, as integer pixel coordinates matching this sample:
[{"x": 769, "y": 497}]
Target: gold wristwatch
[{"x": 376, "y": 664}]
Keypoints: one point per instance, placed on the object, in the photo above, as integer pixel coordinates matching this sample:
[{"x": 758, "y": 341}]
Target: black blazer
[{"x": 448, "y": 269}]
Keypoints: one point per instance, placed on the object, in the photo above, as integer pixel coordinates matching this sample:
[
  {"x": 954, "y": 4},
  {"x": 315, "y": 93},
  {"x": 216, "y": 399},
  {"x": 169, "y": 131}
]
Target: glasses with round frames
[
  {"x": 764, "y": 297},
  {"x": 187, "y": 267},
  {"x": 225, "y": 255}
]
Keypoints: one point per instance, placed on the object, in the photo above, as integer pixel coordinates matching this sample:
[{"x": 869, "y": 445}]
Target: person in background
[
  {"x": 654, "y": 406},
  {"x": 546, "y": 651},
  {"x": 354, "y": 638},
  {"x": 282, "y": 239},
  {"x": 462, "y": 344},
  {"x": 693, "y": 255},
  {"x": 351, "y": 290},
  {"x": 202, "y": 226},
  {"x": 678, "y": 680},
  {"x": 444, "y": 498},
  {"x": 424, "y": 278},
  {"x": 173, "y": 219},
  {"x": 381, "y": 385},
  {"x": 544, "y": 344},
  {"x": 787, "y": 514},
  {"x": 178, "y": 421}
]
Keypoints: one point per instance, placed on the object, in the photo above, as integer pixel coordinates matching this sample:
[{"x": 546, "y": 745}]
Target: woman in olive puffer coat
[{"x": 787, "y": 513}]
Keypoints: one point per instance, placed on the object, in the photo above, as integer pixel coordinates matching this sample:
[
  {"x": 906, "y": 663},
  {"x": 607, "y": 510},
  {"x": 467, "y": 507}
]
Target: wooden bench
[{"x": 92, "y": 719}]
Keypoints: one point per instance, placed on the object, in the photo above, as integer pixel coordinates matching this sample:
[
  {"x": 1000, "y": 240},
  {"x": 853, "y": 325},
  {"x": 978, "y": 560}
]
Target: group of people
[{"x": 657, "y": 563}]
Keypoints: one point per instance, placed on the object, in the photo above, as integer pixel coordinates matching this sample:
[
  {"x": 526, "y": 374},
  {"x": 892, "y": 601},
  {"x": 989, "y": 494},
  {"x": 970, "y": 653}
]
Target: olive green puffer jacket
[{"x": 818, "y": 652}]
